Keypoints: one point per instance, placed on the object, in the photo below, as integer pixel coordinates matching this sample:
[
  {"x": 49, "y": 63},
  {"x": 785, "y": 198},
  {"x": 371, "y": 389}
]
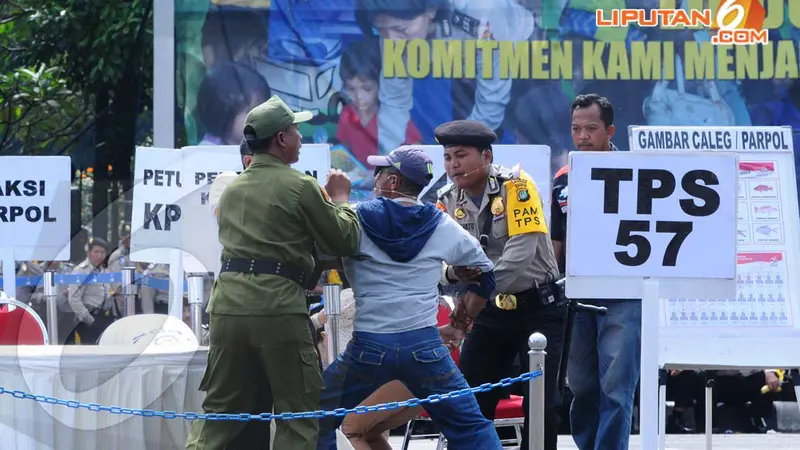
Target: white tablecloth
[{"x": 160, "y": 378}]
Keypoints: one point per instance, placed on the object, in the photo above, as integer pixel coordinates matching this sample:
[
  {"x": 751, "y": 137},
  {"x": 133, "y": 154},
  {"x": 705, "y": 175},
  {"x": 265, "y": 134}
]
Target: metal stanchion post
[
  {"x": 129, "y": 290},
  {"x": 51, "y": 299},
  {"x": 333, "y": 308},
  {"x": 537, "y": 343},
  {"x": 196, "y": 304}
]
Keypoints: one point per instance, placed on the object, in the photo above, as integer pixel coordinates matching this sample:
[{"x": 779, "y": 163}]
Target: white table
[{"x": 160, "y": 378}]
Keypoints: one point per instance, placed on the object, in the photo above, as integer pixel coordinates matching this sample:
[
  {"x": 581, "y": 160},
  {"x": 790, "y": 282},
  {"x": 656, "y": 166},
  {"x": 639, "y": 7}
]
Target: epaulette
[{"x": 444, "y": 190}]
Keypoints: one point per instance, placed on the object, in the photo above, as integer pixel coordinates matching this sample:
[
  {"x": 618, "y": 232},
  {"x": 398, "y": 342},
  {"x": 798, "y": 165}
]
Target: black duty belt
[{"x": 264, "y": 267}]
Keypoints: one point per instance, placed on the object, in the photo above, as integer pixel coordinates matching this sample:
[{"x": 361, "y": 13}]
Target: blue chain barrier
[
  {"x": 99, "y": 278},
  {"x": 266, "y": 417}
]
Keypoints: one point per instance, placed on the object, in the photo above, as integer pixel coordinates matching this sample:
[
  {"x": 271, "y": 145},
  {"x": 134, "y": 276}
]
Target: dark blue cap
[{"x": 413, "y": 163}]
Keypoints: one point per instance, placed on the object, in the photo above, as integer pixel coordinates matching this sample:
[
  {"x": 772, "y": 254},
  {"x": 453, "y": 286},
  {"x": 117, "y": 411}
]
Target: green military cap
[
  {"x": 465, "y": 132},
  {"x": 270, "y": 117}
]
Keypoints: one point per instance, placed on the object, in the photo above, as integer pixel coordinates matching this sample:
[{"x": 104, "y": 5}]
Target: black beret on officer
[{"x": 465, "y": 132}]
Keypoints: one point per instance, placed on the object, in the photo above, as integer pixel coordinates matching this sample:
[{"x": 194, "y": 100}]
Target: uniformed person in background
[
  {"x": 502, "y": 208},
  {"x": 92, "y": 303},
  {"x": 270, "y": 219}
]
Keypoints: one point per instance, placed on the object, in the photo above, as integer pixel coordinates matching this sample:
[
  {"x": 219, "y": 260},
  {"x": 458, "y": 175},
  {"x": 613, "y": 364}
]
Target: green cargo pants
[{"x": 246, "y": 355}]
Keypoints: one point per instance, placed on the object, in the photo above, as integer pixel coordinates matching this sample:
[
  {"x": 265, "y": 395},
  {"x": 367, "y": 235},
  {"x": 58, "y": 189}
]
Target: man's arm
[
  {"x": 467, "y": 251},
  {"x": 520, "y": 249},
  {"x": 218, "y": 187},
  {"x": 518, "y": 254},
  {"x": 335, "y": 228}
]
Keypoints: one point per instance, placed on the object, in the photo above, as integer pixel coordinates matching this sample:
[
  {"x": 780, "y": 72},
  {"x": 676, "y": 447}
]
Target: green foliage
[
  {"x": 37, "y": 110},
  {"x": 93, "y": 40},
  {"x": 57, "y": 56}
]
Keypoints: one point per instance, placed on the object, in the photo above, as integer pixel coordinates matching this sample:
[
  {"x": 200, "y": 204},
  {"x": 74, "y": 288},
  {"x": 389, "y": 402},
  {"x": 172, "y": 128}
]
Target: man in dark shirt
[{"x": 603, "y": 366}]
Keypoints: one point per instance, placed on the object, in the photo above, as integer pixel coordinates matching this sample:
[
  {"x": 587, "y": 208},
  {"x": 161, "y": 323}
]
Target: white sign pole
[
  {"x": 649, "y": 368},
  {"x": 176, "y": 277},
  {"x": 647, "y": 226},
  {"x": 9, "y": 271}
]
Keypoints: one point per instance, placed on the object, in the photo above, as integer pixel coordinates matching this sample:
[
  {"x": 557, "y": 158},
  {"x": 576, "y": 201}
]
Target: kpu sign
[{"x": 652, "y": 215}]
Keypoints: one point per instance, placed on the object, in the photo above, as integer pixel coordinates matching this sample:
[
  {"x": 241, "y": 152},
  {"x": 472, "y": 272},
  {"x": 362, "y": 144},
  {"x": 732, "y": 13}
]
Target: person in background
[
  {"x": 360, "y": 71},
  {"x": 481, "y": 198},
  {"x": 270, "y": 218},
  {"x": 603, "y": 367},
  {"x": 92, "y": 303},
  {"x": 226, "y": 94},
  {"x": 233, "y": 36}
]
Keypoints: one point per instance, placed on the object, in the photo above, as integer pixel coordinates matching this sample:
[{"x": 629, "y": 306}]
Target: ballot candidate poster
[
  {"x": 35, "y": 206},
  {"x": 373, "y": 89},
  {"x": 201, "y": 165},
  {"x": 767, "y": 304}
]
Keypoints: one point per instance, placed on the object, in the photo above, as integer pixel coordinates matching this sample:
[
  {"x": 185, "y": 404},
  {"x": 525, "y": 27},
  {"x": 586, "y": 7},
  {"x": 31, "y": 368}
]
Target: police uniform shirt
[
  {"x": 521, "y": 261},
  {"x": 500, "y": 20}
]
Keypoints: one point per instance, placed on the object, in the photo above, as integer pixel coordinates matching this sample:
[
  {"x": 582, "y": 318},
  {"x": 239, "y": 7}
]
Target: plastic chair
[{"x": 20, "y": 325}]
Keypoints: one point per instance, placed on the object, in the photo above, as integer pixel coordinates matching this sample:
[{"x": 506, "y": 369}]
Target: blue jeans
[
  {"x": 603, "y": 372},
  {"x": 421, "y": 361}
]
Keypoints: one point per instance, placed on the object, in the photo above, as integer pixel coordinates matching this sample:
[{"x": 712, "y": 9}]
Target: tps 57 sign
[{"x": 652, "y": 215}]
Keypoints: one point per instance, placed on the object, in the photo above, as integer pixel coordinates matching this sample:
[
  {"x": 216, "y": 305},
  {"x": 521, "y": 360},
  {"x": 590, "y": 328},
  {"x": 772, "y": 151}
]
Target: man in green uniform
[{"x": 270, "y": 219}]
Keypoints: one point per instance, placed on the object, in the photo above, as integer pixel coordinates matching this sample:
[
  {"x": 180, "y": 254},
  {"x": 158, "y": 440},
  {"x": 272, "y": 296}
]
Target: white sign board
[
  {"x": 156, "y": 218},
  {"x": 740, "y": 330},
  {"x": 534, "y": 159},
  {"x": 171, "y": 189},
  {"x": 35, "y": 206},
  {"x": 202, "y": 164},
  {"x": 636, "y": 215}
]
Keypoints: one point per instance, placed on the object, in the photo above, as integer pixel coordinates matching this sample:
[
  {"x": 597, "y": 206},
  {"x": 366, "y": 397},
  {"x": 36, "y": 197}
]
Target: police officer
[
  {"x": 92, "y": 303},
  {"x": 270, "y": 219},
  {"x": 502, "y": 208}
]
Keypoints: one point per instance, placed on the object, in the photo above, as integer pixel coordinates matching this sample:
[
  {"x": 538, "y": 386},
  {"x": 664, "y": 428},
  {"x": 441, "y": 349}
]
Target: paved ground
[{"x": 674, "y": 442}]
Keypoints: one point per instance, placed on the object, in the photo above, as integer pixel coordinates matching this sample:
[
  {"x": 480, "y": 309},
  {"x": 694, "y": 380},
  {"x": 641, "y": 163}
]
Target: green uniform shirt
[{"x": 272, "y": 211}]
